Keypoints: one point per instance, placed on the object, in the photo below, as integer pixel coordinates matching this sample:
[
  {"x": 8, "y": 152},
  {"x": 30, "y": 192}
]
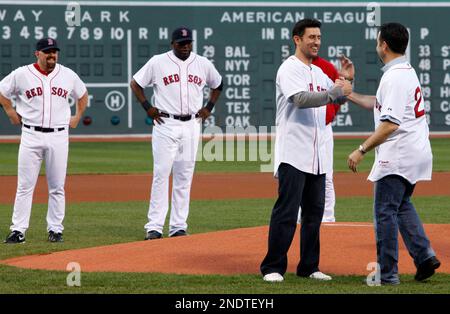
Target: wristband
[
  {"x": 146, "y": 105},
  {"x": 362, "y": 150},
  {"x": 210, "y": 106}
]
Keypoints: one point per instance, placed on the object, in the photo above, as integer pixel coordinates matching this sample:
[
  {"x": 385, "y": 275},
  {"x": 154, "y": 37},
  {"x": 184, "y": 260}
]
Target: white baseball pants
[
  {"x": 330, "y": 196},
  {"x": 34, "y": 147},
  {"x": 174, "y": 146},
  {"x": 330, "y": 199}
]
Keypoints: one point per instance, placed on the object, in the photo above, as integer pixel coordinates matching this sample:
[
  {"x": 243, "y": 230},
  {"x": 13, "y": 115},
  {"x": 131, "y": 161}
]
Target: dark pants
[
  {"x": 295, "y": 188},
  {"x": 394, "y": 212}
]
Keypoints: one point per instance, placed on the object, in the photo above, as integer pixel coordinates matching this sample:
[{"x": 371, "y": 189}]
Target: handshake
[{"x": 344, "y": 85}]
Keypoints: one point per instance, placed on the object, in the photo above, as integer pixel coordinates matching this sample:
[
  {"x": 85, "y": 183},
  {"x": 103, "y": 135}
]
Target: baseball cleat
[
  {"x": 273, "y": 277},
  {"x": 318, "y": 275},
  {"x": 55, "y": 237},
  {"x": 179, "y": 233},
  {"x": 15, "y": 237},
  {"x": 152, "y": 235},
  {"x": 426, "y": 269}
]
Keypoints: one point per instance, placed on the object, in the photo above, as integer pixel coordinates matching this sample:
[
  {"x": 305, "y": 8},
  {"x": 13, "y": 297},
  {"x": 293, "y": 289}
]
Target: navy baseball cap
[
  {"x": 46, "y": 44},
  {"x": 181, "y": 34}
]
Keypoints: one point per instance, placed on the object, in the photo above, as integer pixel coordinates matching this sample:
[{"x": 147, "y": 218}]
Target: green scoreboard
[{"x": 106, "y": 42}]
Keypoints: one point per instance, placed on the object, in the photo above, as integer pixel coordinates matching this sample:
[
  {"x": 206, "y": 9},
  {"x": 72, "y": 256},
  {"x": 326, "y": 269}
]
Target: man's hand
[
  {"x": 204, "y": 113},
  {"x": 354, "y": 159},
  {"x": 154, "y": 114},
  {"x": 345, "y": 85},
  {"x": 347, "y": 68}
]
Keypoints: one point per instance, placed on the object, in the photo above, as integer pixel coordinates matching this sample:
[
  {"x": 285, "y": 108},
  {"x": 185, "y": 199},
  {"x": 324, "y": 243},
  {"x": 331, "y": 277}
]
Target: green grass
[
  {"x": 136, "y": 157},
  {"x": 36, "y": 281},
  {"x": 94, "y": 224}
]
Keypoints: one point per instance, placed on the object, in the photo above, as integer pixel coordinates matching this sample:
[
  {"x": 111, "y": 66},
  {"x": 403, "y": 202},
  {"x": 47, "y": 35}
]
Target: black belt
[
  {"x": 181, "y": 118},
  {"x": 44, "y": 130}
]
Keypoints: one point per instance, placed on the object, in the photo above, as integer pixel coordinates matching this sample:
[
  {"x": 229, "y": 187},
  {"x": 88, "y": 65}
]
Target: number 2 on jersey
[{"x": 419, "y": 103}]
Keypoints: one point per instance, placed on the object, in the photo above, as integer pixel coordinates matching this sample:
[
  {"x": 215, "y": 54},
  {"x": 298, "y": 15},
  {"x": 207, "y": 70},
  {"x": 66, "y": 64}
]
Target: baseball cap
[
  {"x": 46, "y": 44},
  {"x": 181, "y": 34}
]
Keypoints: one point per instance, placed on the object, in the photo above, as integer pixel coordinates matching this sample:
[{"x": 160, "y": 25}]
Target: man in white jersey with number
[
  {"x": 178, "y": 78},
  {"x": 42, "y": 92},
  {"x": 402, "y": 157}
]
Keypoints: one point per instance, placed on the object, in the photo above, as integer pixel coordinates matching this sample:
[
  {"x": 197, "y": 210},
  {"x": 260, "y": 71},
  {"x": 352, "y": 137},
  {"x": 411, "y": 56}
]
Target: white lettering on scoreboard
[
  {"x": 444, "y": 90},
  {"x": 268, "y": 28},
  {"x": 237, "y": 90},
  {"x": 26, "y": 17}
]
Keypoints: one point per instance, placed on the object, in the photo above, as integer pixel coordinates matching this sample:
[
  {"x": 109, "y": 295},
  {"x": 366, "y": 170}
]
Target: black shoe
[
  {"x": 152, "y": 235},
  {"x": 15, "y": 237},
  {"x": 179, "y": 233},
  {"x": 55, "y": 237},
  {"x": 426, "y": 269}
]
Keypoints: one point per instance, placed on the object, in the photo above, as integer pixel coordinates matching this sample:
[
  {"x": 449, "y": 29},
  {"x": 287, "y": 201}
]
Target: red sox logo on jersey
[
  {"x": 175, "y": 78},
  {"x": 58, "y": 91}
]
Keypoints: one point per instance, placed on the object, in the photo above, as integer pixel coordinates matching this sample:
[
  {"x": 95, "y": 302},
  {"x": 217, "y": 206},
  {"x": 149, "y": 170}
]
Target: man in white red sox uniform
[
  {"x": 178, "y": 78},
  {"x": 402, "y": 157},
  {"x": 302, "y": 91},
  {"x": 42, "y": 93}
]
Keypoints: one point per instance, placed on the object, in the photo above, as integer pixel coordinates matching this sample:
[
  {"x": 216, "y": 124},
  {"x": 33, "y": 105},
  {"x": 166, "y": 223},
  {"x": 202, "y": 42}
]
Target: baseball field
[{"x": 107, "y": 191}]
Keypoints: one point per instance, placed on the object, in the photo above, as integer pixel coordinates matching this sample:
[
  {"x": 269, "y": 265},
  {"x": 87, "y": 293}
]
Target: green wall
[{"x": 247, "y": 43}]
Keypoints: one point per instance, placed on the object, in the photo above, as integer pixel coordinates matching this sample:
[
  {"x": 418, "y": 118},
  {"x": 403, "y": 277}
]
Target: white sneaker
[
  {"x": 319, "y": 276},
  {"x": 273, "y": 277}
]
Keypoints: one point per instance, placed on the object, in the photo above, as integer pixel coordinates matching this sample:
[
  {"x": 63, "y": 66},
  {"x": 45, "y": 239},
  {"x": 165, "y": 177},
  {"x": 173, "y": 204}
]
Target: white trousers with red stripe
[
  {"x": 174, "y": 146},
  {"x": 35, "y": 147}
]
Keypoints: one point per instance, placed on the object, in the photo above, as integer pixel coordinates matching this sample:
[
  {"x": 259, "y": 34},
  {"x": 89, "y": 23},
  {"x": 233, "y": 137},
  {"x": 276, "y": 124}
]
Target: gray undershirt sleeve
[
  {"x": 316, "y": 99},
  {"x": 390, "y": 118}
]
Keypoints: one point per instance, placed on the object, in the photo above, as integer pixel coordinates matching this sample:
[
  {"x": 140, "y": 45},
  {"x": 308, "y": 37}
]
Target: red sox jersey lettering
[
  {"x": 38, "y": 92},
  {"x": 195, "y": 79},
  {"x": 319, "y": 89},
  {"x": 174, "y": 78},
  {"x": 61, "y": 92},
  {"x": 33, "y": 92},
  {"x": 177, "y": 84}
]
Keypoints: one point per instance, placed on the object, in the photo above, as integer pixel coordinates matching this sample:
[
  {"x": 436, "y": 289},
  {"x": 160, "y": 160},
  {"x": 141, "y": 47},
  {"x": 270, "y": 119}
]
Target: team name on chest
[
  {"x": 319, "y": 89},
  {"x": 37, "y": 91},
  {"x": 175, "y": 78}
]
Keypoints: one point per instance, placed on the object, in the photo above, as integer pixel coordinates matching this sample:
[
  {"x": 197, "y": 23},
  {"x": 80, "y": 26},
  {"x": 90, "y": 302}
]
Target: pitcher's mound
[{"x": 346, "y": 248}]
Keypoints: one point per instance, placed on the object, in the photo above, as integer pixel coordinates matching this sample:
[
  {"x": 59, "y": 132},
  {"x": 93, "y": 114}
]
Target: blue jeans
[{"x": 393, "y": 211}]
